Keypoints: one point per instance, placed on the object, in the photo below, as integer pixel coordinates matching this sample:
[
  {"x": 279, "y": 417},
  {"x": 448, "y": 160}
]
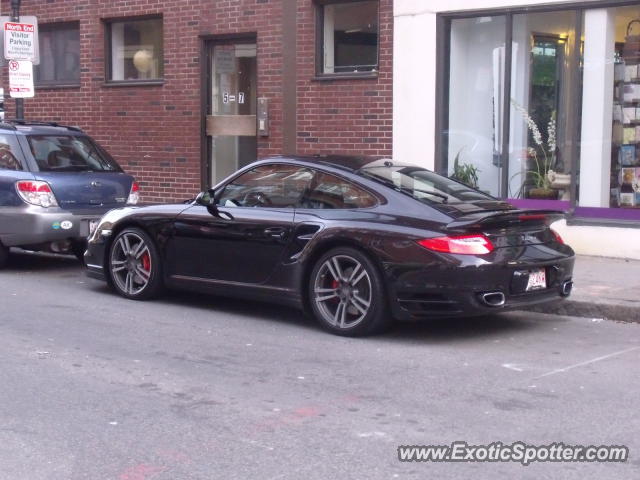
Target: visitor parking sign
[
  {"x": 19, "y": 41},
  {"x": 20, "y": 38}
]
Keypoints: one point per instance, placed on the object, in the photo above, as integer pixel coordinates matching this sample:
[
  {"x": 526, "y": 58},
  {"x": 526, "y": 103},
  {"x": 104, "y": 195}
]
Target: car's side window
[
  {"x": 8, "y": 160},
  {"x": 330, "y": 191},
  {"x": 271, "y": 186}
]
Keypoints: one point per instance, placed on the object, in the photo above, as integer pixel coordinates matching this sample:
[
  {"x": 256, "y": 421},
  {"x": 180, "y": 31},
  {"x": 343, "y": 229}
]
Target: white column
[
  {"x": 597, "y": 108},
  {"x": 414, "y": 82}
]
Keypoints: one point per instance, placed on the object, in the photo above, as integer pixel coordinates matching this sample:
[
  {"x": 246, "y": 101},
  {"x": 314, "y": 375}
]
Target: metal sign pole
[{"x": 15, "y": 16}]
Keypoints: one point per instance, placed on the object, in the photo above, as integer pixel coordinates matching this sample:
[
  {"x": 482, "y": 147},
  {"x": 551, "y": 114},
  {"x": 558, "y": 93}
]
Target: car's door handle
[{"x": 275, "y": 232}]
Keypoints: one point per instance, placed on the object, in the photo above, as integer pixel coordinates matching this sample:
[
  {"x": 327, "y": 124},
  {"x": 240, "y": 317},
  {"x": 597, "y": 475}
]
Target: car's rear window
[
  {"x": 422, "y": 184},
  {"x": 70, "y": 153}
]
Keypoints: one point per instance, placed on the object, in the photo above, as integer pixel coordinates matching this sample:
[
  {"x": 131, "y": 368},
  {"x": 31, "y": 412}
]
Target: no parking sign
[{"x": 21, "y": 79}]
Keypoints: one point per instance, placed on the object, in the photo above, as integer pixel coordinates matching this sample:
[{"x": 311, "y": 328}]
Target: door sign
[{"x": 228, "y": 98}]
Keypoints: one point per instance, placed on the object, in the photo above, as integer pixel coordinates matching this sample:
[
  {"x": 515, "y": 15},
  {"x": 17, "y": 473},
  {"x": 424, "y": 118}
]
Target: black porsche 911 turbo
[{"x": 356, "y": 241}]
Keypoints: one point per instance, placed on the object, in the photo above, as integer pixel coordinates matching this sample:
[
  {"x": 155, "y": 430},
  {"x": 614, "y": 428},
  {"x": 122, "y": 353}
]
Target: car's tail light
[
  {"x": 557, "y": 236},
  {"x": 36, "y": 193},
  {"x": 461, "y": 244},
  {"x": 134, "y": 194}
]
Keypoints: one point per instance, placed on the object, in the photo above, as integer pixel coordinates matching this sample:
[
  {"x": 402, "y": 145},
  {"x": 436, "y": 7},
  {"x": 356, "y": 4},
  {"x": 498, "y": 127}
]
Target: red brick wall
[
  {"x": 154, "y": 131},
  {"x": 343, "y": 116}
]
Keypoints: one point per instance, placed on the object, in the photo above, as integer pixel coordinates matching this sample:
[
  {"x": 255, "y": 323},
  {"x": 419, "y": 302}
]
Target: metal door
[{"x": 231, "y": 119}]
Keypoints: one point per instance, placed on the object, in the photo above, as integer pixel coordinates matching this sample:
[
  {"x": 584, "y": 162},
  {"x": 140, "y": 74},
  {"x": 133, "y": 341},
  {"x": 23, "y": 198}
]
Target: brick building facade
[{"x": 157, "y": 130}]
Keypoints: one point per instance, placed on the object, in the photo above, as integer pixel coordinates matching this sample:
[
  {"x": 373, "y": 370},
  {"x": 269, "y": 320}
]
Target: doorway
[{"x": 231, "y": 108}]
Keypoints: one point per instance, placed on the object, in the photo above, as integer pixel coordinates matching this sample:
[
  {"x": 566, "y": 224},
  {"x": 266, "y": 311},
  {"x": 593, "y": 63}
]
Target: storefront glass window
[
  {"x": 541, "y": 121},
  {"x": 573, "y": 106},
  {"x": 610, "y": 149},
  {"x": 473, "y": 138}
]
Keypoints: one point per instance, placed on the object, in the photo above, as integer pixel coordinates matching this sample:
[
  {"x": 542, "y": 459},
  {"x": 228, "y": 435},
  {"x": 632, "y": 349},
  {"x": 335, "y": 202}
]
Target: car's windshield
[
  {"x": 422, "y": 184},
  {"x": 69, "y": 153}
]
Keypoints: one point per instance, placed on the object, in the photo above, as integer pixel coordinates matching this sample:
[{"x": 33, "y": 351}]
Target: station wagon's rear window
[{"x": 70, "y": 153}]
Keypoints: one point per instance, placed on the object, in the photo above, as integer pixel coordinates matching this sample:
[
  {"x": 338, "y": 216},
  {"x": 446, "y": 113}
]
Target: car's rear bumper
[
  {"x": 31, "y": 225},
  {"x": 453, "y": 289}
]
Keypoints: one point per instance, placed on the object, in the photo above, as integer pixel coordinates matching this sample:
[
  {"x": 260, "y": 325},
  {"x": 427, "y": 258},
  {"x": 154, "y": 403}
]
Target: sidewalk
[{"x": 606, "y": 288}]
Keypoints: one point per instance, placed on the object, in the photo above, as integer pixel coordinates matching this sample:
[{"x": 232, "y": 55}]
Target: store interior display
[{"x": 625, "y": 159}]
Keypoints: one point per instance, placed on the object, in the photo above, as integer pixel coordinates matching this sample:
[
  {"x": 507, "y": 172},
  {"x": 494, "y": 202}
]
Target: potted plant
[
  {"x": 465, "y": 173},
  {"x": 540, "y": 158}
]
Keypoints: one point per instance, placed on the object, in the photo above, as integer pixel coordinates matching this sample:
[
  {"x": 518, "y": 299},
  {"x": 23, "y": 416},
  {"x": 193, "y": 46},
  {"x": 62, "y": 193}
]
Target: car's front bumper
[{"x": 94, "y": 257}]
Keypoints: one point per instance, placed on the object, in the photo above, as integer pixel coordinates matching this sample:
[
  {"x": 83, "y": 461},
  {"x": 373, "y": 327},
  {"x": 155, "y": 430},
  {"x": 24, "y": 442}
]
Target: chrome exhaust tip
[
  {"x": 493, "y": 299},
  {"x": 566, "y": 288}
]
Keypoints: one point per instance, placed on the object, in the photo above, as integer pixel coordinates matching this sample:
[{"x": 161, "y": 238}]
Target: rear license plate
[{"x": 537, "y": 279}]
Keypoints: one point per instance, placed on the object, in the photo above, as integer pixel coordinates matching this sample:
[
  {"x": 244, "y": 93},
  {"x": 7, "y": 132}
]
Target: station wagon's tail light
[
  {"x": 460, "y": 244},
  {"x": 557, "y": 236},
  {"x": 134, "y": 194},
  {"x": 36, "y": 193}
]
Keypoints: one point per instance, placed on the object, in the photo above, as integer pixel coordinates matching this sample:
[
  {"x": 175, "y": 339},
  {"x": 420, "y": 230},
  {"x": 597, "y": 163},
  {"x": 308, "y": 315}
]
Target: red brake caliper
[
  {"x": 146, "y": 262},
  {"x": 334, "y": 285}
]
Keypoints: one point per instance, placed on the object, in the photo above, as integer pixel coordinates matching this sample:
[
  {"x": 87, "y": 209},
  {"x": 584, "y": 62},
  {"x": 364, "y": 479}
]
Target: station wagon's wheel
[
  {"x": 134, "y": 265},
  {"x": 346, "y": 293},
  {"x": 4, "y": 255}
]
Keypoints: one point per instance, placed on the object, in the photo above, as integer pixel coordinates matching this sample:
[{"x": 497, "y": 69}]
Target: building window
[
  {"x": 135, "y": 50},
  {"x": 349, "y": 32},
  {"x": 59, "y": 55}
]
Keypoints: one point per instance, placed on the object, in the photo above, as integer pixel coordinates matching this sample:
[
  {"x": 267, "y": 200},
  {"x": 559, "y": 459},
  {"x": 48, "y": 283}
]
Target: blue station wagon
[{"x": 55, "y": 184}]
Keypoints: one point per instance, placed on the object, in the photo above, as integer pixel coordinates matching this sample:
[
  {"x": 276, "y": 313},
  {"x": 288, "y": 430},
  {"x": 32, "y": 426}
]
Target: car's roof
[
  {"x": 351, "y": 163},
  {"x": 26, "y": 127}
]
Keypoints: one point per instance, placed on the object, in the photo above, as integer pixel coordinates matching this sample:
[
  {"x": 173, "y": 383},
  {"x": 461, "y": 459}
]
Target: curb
[{"x": 577, "y": 308}]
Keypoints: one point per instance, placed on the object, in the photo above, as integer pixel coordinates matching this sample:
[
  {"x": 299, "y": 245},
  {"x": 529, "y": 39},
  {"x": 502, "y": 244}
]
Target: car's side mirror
[{"x": 208, "y": 199}]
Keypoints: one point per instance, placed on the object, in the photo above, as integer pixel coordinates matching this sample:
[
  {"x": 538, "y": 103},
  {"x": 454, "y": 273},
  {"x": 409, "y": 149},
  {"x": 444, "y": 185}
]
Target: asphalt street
[{"x": 93, "y": 386}]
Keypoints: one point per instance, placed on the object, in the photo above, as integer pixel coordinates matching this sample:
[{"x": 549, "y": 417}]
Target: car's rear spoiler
[{"x": 505, "y": 218}]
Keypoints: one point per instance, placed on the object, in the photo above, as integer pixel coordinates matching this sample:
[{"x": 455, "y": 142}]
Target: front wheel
[
  {"x": 346, "y": 293},
  {"x": 134, "y": 265}
]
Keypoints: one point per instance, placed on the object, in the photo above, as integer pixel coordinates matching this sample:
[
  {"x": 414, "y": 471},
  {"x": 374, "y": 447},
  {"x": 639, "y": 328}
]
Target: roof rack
[
  {"x": 41, "y": 123},
  {"x": 6, "y": 126}
]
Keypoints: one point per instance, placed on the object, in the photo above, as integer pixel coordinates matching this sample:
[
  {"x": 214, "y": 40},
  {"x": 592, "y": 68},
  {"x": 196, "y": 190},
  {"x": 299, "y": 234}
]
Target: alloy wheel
[
  {"x": 130, "y": 263},
  {"x": 342, "y": 291}
]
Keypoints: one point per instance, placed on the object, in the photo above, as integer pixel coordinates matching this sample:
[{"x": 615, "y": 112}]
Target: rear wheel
[
  {"x": 4, "y": 255},
  {"x": 346, "y": 293},
  {"x": 134, "y": 265}
]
